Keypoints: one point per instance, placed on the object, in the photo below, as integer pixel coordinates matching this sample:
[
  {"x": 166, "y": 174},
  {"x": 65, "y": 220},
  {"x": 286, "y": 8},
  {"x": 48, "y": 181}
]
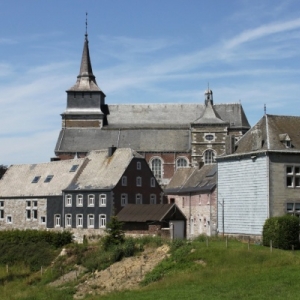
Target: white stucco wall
[{"x": 243, "y": 185}]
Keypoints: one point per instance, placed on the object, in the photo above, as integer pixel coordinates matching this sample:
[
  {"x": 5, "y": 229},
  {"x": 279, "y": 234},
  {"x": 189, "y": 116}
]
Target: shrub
[{"x": 282, "y": 231}]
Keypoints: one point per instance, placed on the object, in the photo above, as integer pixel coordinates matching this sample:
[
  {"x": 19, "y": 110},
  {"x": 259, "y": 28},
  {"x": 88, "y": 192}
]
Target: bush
[{"x": 282, "y": 231}]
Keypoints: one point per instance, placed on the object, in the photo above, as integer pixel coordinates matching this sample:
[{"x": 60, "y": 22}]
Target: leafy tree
[{"x": 114, "y": 233}]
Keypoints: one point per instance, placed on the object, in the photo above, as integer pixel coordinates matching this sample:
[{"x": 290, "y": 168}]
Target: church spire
[{"x": 86, "y": 81}]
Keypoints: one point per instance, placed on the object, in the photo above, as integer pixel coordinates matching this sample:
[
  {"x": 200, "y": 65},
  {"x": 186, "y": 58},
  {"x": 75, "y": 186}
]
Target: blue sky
[{"x": 158, "y": 51}]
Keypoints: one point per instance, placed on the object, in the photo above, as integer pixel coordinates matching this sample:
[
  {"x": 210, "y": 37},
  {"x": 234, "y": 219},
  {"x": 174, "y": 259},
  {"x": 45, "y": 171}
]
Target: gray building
[
  {"x": 169, "y": 136},
  {"x": 262, "y": 178}
]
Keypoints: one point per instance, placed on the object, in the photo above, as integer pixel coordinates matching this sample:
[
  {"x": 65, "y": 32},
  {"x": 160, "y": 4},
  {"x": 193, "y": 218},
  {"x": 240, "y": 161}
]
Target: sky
[{"x": 158, "y": 51}]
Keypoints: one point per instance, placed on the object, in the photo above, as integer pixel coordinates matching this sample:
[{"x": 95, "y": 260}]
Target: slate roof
[
  {"x": 84, "y": 140},
  {"x": 272, "y": 129},
  {"x": 146, "y": 212},
  {"x": 210, "y": 116},
  {"x": 102, "y": 171},
  {"x": 188, "y": 180},
  {"x": 17, "y": 181}
]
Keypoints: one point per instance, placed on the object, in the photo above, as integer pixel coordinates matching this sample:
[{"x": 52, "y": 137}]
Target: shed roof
[{"x": 147, "y": 212}]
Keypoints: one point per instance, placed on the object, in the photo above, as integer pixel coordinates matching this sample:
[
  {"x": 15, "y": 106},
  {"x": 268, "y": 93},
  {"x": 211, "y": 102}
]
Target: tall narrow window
[
  {"x": 138, "y": 199},
  {"x": 102, "y": 201},
  {"x": 68, "y": 200},
  {"x": 152, "y": 199},
  {"x": 57, "y": 220},
  {"x": 152, "y": 182},
  {"x": 124, "y": 199},
  {"x": 102, "y": 221},
  {"x": 138, "y": 165},
  {"x": 79, "y": 200},
  {"x": 91, "y": 200},
  {"x": 124, "y": 181},
  {"x": 91, "y": 221},
  {"x": 139, "y": 181},
  {"x": 68, "y": 220},
  {"x": 79, "y": 221},
  {"x": 156, "y": 167},
  {"x": 209, "y": 157}
]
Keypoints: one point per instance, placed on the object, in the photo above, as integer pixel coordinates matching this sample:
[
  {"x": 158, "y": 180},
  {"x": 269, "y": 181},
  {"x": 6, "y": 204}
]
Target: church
[{"x": 168, "y": 136}]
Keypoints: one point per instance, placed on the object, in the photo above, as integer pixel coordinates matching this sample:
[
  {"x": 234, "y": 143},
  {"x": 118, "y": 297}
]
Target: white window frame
[
  {"x": 2, "y": 203},
  {"x": 152, "y": 182},
  {"x": 102, "y": 200},
  {"x": 68, "y": 220},
  {"x": 34, "y": 214},
  {"x": 79, "y": 220},
  {"x": 91, "y": 221},
  {"x": 68, "y": 200},
  {"x": 139, "y": 181},
  {"x": 156, "y": 165},
  {"x": 1, "y": 214},
  {"x": 57, "y": 220},
  {"x": 152, "y": 199},
  {"x": 138, "y": 198},
  {"x": 28, "y": 203},
  {"x": 102, "y": 221},
  {"x": 28, "y": 214},
  {"x": 182, "y": 162},
  {"x": 124, "y": 199},
  {"x": 91, "y": 200},
  {"x": 292, "y": 173},
  {"x": 209, "y": 157},
  {"x": 42, "y": 219},
  {"x": 124, "y": 180},
  {"x": 79, "y": 200},
  {"x": 9, "y": 219}
]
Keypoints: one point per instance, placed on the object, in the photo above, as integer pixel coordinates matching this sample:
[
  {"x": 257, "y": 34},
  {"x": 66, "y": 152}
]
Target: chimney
[
  {"x": 111, "y": 150},
  {"x": 256, "y": 139},
  {"x": 230, "y": 144}
]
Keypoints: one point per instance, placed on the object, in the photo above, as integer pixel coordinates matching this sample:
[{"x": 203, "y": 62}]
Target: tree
[{"x": 114, "y": 233}]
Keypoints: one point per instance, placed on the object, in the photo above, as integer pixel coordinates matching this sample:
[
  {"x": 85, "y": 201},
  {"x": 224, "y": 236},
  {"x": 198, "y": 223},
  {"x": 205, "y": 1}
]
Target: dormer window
[{"x": 286, "y": 140}]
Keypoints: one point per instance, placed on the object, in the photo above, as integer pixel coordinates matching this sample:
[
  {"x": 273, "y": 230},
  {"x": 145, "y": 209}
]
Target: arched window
[
  {"x": 209, "y": 157},
  {"x": 181, "y": 163},
  {"x": 156, "y": 167}
]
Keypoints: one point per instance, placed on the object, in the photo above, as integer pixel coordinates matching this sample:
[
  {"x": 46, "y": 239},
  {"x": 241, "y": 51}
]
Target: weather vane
[{"x": 86, "y": 23}]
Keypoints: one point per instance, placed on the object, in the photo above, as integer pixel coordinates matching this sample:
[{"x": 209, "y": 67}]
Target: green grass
[
  {"x": 193, "y": 271},
  {"x": 229, "y": 273}
]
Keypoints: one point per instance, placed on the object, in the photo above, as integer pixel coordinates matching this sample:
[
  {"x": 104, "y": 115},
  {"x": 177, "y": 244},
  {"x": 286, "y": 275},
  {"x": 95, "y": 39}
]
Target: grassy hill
[{"x": 201, "y": 269}]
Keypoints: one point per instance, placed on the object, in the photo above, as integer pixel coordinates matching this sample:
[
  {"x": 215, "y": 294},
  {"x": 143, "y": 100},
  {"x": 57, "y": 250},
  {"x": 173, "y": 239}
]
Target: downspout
[
  {"x": 190, "y": 214},
  {"x": 209, "y": 214},
  {"x": 63, "y": 212}
]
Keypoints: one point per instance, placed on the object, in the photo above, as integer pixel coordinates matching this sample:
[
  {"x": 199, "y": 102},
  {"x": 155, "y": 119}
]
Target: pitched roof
[
  {"x": 17, "y": 181},
  {"x": 103, "y": 171},
  {"x": 147, "y": 212},
  {"x": 270, "y": 134},
  {"x": 210, "y": 116},
  {"x": 193, "y": 180}
]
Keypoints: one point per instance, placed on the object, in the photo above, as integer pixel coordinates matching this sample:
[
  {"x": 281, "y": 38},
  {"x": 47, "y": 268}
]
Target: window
[
  {"x": 57, "y": 220},
  {"x": 102, "y": 201},
  {"x": 209, "y": 137},
  {"x": 124, "y": 199},
  {"x": 1, "y": 203},
  {"x": 35, "y": 179},
  {"x": 102, "y": 221},
  {"x": 28, "y": 203},
  {"x": 156, "y": 167},
  {"x": 209, "y": 157},
  {"x": 124, "y": 181},
  {"x": 35, "y": 214},
  {"x": 181, "y": 163},
  {"x": 138, "y": 199},
  {"x": 68, "y": 220},
  {"x": 43, "y": 220},
  {"x": 152, "y": 199},
  {"x": 139, "y": 181},
  {"x": 91, "y": 221},
  {"x": 74, "y": 168},
  {"x": 293, "y": 176},
  {"x": 152, "y": 182},
  {"x": 293, "y": 209},
  {"x": 91, "y": 200},
  {"x": 79, "y": 200},
  {"x": 79, "y": 221},
  {"x": 35, "y": 203},
  {"x": 68, "y": 200},
  {"x": 138, "y": 165},
  {"x": 48, "y": 178},
  {"x": 9, "y": 219},
  {"x": 28, "y": 214},
  {"x": 1, "y": 213}
]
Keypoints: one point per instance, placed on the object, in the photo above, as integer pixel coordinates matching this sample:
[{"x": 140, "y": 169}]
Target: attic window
[
  {"x": 48, "y": 178},
  {"x": 36, "y": 179},
  {"x": 74, "y": 168}
]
